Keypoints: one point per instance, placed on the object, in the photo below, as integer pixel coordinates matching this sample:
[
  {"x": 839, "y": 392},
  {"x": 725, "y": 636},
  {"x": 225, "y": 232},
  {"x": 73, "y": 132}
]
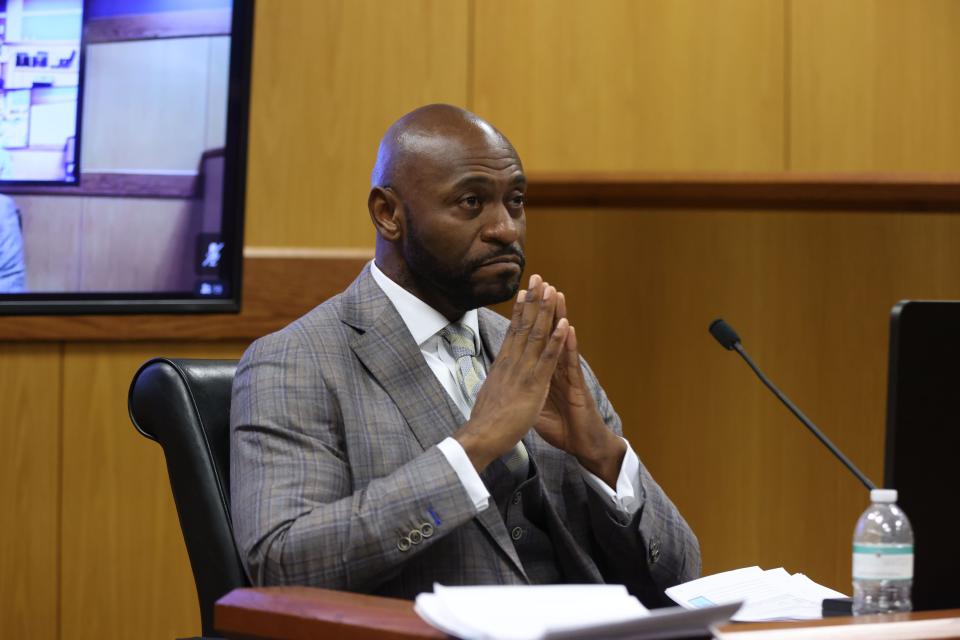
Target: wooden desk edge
[
  {"x": 302, "y": 613},
  {"x": 841, "y": 621}
]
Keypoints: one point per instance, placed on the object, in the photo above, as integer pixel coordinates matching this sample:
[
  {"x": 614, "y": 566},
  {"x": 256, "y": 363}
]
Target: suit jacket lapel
[
  {"x": 388, "y": 351},
  {"x": 386, "y": 348},
  {"x": 491, "y": 332}
]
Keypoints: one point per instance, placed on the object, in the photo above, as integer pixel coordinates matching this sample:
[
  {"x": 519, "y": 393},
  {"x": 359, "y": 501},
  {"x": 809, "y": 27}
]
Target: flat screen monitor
[
  {"x": 923, "y": 441},
  {"x": 123, "y": 127}
]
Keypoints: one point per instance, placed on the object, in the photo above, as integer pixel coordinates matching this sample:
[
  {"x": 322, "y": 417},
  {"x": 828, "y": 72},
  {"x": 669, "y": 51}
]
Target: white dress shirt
[{"x": 424, "y": 323}]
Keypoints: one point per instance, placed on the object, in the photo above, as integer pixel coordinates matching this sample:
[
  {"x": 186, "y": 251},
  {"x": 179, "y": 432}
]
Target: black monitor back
[{"x": 923, "y": 441}]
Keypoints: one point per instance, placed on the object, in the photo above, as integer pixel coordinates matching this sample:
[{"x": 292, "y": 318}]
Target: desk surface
[{"x": 302, "y": 613}]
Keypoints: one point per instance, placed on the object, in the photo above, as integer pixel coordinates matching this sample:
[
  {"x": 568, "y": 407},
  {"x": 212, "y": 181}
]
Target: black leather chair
[{"x": 185, "y": 406}]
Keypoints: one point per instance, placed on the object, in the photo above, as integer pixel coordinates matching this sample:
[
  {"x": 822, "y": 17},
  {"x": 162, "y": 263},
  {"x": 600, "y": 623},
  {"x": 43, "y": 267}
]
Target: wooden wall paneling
[
  {"x": 136, "y": 244},
  {"x": 29, "y": 475},
  {"x": 794, "y": 190},
  {"x": 125, "y": 568},
  {"x": 51, "y": 241},
  {"x": 810, "y": 293},
  {"x": 665, "y": 85},
  {"x": 328, "y": 79},
  {"x": 624, "y": 85},
  {"x": 874, "y": 85}
]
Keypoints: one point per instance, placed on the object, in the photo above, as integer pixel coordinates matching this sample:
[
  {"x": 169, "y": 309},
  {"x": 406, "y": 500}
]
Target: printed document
[
  {"x": 550, "y": 612},
  {"x": 768, "y": 595}
]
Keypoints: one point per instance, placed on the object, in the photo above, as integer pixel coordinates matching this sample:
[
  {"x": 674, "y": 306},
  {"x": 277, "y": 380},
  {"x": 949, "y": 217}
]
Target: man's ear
[{"x": 386, "y": 211}]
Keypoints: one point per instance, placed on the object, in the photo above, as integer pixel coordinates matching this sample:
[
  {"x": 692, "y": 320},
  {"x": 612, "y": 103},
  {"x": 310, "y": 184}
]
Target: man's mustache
[{"x": 514, "y": 254}]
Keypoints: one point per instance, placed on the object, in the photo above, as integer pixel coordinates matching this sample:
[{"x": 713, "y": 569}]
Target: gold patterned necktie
[{"x": 470, "y": 376}]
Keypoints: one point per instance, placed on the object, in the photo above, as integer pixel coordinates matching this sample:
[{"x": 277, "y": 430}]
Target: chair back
[{"x": 184, "y": 405}]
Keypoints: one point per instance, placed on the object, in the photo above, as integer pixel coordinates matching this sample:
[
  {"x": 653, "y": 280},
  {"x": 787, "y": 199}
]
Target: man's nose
[{"x": 504, "y": 226}]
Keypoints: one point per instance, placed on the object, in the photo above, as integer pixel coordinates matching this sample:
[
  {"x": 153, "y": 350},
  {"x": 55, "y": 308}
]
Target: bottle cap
[{"x": 883, "y": 495}]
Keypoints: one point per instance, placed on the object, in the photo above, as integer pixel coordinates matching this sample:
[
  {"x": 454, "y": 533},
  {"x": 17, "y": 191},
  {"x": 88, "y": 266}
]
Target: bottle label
[{"x": 883, "y": 562}]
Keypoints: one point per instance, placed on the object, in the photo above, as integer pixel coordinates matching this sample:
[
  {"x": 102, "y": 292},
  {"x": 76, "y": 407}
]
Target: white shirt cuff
[
  {"x": 626, "y": 499},
  {"x": 469, "y": 478}
]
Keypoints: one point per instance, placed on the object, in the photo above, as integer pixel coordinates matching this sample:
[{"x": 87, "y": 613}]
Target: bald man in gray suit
[{"x": 400, "y": 434}]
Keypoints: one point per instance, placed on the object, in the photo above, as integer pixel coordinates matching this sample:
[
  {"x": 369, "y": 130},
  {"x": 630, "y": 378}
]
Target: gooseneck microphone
[{"x": 729, "y": 340}]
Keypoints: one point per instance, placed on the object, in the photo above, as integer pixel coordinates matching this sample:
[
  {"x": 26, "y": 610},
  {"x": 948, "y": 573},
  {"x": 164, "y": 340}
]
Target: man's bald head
[{"x": 428, "y": 134}]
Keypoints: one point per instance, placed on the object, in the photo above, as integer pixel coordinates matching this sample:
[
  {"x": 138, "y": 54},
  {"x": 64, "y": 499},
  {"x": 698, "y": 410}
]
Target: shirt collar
[{"x": 422, "y": 320}]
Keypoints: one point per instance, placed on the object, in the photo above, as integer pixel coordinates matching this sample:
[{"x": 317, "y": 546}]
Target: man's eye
[
  {"x": 471, "y": 202},
  {"x": 518, "y": 201}
]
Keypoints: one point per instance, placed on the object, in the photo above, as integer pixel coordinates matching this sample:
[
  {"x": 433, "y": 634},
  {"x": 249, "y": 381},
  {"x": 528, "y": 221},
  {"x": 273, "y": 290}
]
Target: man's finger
[
  {"x": 531, "y": 306},
  {"x": 543, "y": 325},
  {"x": 572, "y": 359},
  {"x": 547, "y": 362},
  {"x": 514, "y": 322},
  {"x": 561, "y": 308}
]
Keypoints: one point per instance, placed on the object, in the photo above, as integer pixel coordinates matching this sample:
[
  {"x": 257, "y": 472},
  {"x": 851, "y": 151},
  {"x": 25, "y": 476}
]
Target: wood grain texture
[
  {"x": 874, "y": 85},
  {"x": 781, "y": 189},
  {"x": 297, "y": 613},
  {"x": 810, "y": 294},
  {"x": 125, "y": 568},
  {"x": 328, "y": 79},
  {"x": 658, "y": 85},
  {"x": 949, "y": 617},
  {"x": 29, "y": 475},
  {"x": 301, "y": 612},
  {"x": 620, "y": 86}
]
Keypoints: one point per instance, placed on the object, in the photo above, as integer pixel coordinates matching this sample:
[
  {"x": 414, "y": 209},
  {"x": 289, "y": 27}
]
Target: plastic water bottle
[{"x": 882, "y": 557}]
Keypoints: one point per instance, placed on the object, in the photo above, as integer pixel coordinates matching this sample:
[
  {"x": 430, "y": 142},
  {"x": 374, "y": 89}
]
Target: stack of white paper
[
  {"x": 557, "y": 611},
  {"x": 767, "y": 595}
]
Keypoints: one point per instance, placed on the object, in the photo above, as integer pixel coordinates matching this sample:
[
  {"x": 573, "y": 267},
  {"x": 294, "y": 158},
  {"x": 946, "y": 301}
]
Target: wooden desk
[{"x": 302, "y": 613}]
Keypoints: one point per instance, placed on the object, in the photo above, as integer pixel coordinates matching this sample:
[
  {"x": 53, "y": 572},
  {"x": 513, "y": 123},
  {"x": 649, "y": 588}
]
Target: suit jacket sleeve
[
  {"x": 654, "y": 548},
  {"x": 299, "y": 517}
]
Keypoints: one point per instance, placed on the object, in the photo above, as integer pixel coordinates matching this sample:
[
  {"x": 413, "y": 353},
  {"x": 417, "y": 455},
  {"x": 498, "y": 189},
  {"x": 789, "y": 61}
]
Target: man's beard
[{"x": 456, "y": 284}]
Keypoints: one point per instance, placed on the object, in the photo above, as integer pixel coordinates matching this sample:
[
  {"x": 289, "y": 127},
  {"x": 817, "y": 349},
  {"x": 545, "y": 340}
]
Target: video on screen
[{"x": 136, "y": 142}]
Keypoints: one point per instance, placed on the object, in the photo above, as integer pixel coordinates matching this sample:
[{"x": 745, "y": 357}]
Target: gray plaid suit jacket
[{"x": 334, "y": 426}]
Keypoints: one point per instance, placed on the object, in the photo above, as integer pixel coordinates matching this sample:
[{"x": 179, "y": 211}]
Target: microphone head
[{"x": 724, "y": 333}]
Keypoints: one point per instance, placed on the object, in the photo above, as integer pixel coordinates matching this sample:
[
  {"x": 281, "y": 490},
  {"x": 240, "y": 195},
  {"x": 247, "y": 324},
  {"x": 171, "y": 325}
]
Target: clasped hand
[{"x": 536, "y": 380}]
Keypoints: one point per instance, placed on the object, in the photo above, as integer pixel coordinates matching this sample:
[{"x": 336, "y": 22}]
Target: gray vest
[{"x": 524, "y": 514}]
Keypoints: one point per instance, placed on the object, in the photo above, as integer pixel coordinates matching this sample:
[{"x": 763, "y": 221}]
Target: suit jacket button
[
  {"x": 516, "y": 533},
  {"x": 426, "y": 529},
  {"x": 403, "y": 543},
  {"x": 655, "y": 550},
  {"x": 415, "y": 536},
  {"x": 516, "y": 498}
]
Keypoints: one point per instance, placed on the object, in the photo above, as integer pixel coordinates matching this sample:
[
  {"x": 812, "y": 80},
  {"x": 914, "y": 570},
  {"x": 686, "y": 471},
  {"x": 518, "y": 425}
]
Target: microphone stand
[{"x": 729, "y": 339}]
